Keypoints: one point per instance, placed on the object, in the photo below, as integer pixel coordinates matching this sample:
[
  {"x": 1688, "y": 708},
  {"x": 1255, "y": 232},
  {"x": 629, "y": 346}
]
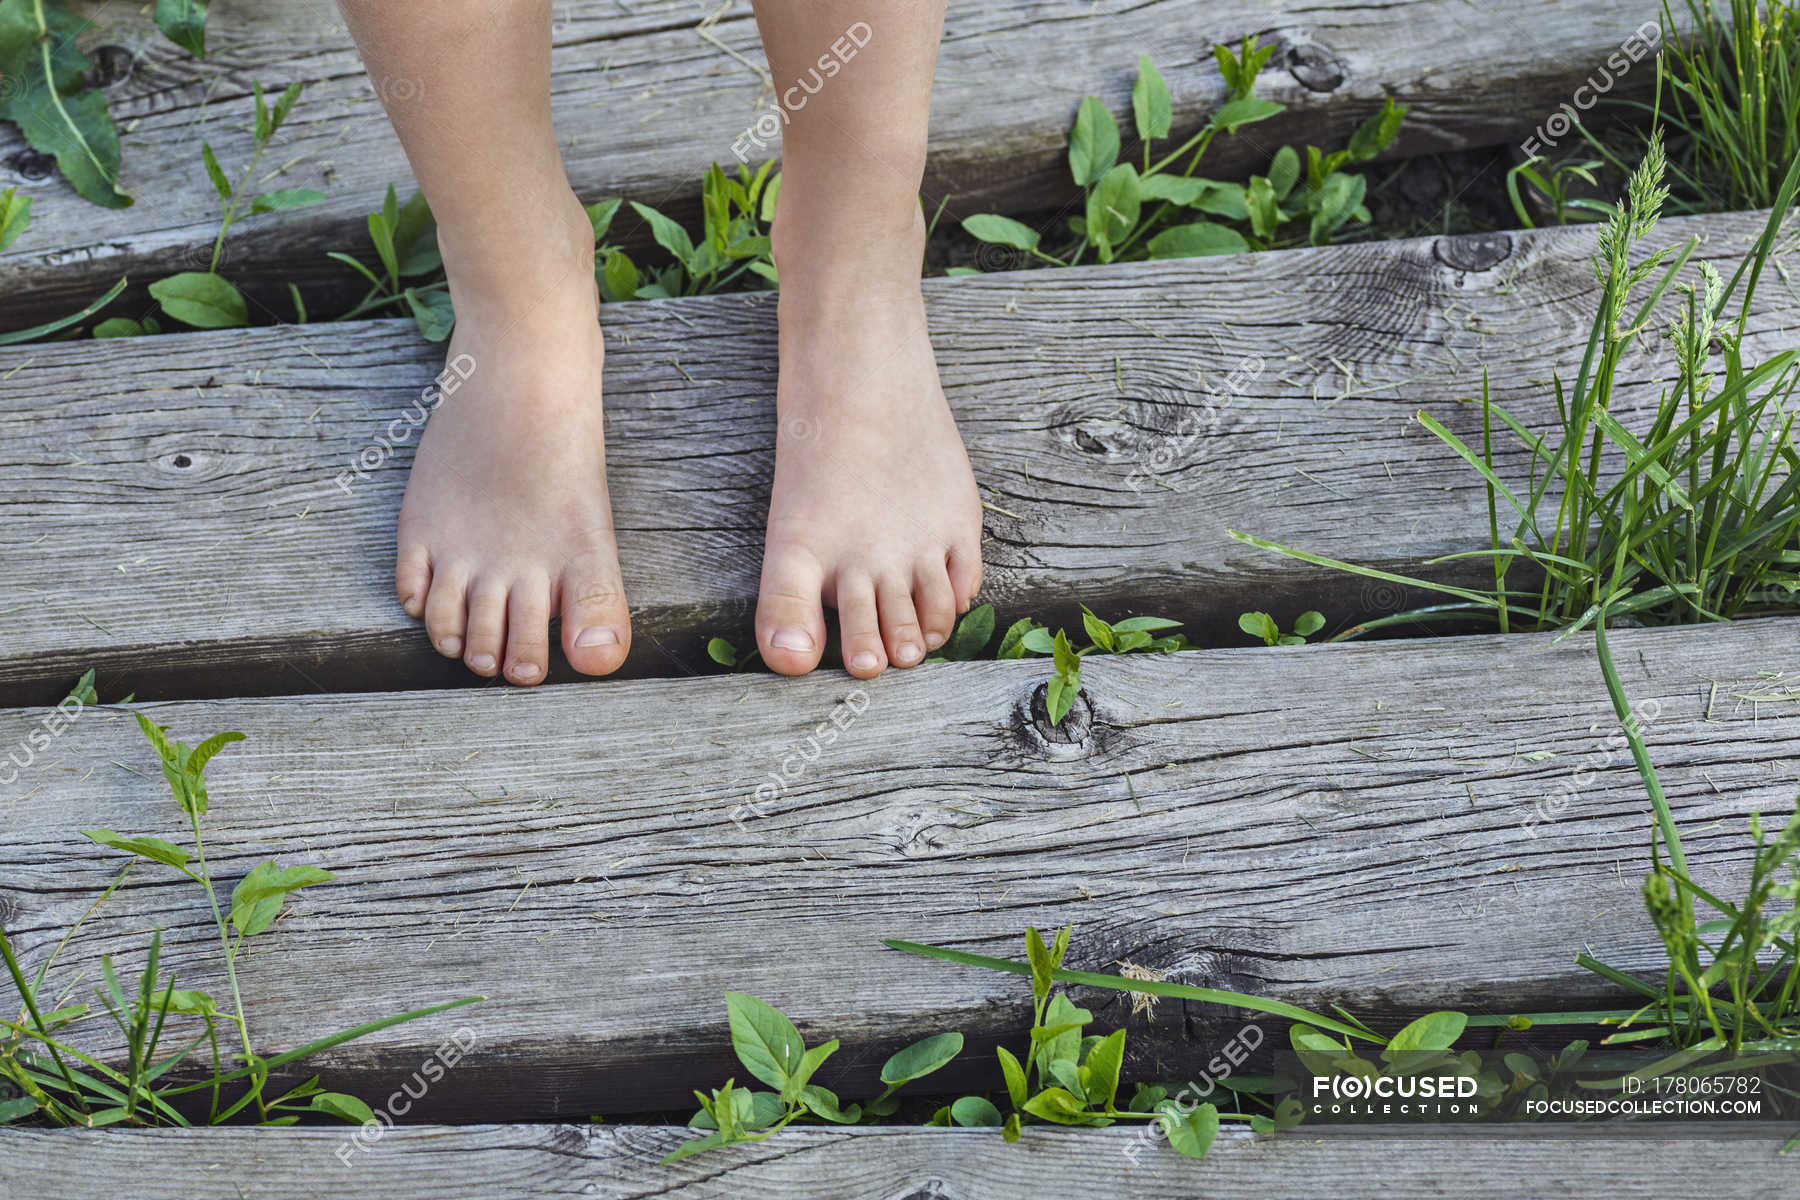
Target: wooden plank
[
  {"x": 1353, "y": 824},
  {"x": 181, "y": 525},
  {"x": 621, "y": 1162},
  {"x": 643, "y": 105}
]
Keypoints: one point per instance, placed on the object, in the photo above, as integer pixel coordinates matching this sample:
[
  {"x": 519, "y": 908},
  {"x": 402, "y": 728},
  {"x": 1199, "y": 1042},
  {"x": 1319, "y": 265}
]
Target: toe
[
  {"x": 446, "y": 610},
  {"x": 790, "y": 619},
  {"x": 900, "y": 632},
  {"x": 528, "y": 630},
  {"x": 935, "y": 602},
  {"x": 487, "y": 627},
  {"x": 412, "y": 579},
  {"x": 965, "y": 575},
  {"x": 596, "y": 627},
  {"x": 859, "y": 627}
]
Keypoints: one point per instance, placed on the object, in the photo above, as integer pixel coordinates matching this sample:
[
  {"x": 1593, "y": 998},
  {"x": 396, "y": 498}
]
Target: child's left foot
[{"x": 874, "y": 509}]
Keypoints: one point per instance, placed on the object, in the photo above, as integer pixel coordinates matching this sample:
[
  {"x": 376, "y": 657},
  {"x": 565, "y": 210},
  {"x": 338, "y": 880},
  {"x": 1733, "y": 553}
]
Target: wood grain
[
  {"x": 1392, "y": 827},
  {"x": 173, "y": 517},
  {"x": 643, "y": 105},
  {"x": 621, "y": 1163}
]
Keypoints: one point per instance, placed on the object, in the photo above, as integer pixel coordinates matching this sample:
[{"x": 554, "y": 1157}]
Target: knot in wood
[
  {"x": 1473, "y": 251},
  {"x": 1077, "y": 728},
  {"x": 111, "y": 66},
  {"x": 1314, "y": 67}
]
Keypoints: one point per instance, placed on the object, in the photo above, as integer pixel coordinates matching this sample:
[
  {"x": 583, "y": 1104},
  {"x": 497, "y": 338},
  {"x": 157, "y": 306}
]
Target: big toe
[
  {"x": 790, "y": 616},
  {"x": 596, "y": 627}
]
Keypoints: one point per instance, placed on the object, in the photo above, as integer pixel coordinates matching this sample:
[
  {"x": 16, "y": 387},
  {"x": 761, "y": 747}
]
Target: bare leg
[
  {"x": 874, "y": 508},
  {"x": 506, "y": 520}
]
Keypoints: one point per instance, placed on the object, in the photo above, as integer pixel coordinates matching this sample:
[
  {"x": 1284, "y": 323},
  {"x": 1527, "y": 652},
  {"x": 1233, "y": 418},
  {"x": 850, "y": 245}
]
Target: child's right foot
[{"x": 506, "y": 520}]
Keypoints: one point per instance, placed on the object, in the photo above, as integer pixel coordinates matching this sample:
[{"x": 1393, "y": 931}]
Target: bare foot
[
  {"x": 506, "y": 520},
  {"x": 874, "y": 509}
]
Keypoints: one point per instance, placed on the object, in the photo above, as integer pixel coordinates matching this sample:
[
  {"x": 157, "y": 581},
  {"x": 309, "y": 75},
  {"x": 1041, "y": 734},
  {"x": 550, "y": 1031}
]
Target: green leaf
[
  {"x": 1010, "y": 1131},
  {"x": 1038, "y": 640},
  {"x": 976, "y": 1112},
  {"x": 620, "y": 276},
  {"x": 1150, "y": 102},
  {"x": 600, "y": 215},
  {"x": 1336, "y": 203},
  {"x": 1309, "y": 623},
  {"x": 191, "y": 1003},
  {"x": 1144, "y": 624},
  {"x": 722, "y": 652},
  {"x": 1284, "y": 172},
  {"x": 1094, "y": 142},
  {"x": 668, "y": 234},
  {"x": 1038, "y": 955},
  {"x": 1195, "y": 240},
  {"x": 195, "y": 763},
  {"x": 415, "y": 236},
  {"x": 1260, "y": 625},
  {"x": 1015, "y": 1075},
  {"x": 16, "y": 1109},
  {"x": 699, "y": 1145},
  {"x": 284, "y": 104},
  {"x": 432, "y": 312},
  {"x": 971, "y": 635},
  {"x": 46, "y": 96},
  {"x": 1001, "y": 231},
  {"x": 823, "y": 1103},
  {"x": 201, "y": 299},
  {"x": 1067, "y": 661},
  {"x": 1060, "y": 696},
  {"x": 1012, "y": 643},
  {"x": 1098, "y": 631},
  {"x": 15, "y": 216},
  {"x": 1265, "y": 210},
  {"x": 214, "y": 171},
  {"x": 766, "y": 1042},
  {"x": 1378, "y": 132},
  {"x": 1113, "y": 208},
  {"x": 184, "y": 21},
  {"x": 286, "y": 198},
  {"x": 1058, "y": 1105},
  {"x": 802, "y": 1074},
  {"x": 1179, "y": 190},
  {"x": 342, "y": 1106},
  {"x": 1433, "y": 1031},
  {"x": 118, "y": 327},
  {"x": 1235, "y": 114},
  {"x": 381, "y": 234},
  {"x": 921, "y": 1058},
  {"x": 151, "y": 848},
  {"x": 1103, "y": 1064},
  {"x": 257, "y": 899},
  {"x": 1191, "y": 1133}
]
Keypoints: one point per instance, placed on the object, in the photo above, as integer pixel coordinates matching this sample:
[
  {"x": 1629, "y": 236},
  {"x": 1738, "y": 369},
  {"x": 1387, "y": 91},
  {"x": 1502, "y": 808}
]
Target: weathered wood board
[
  {"x": 622, "y": 1163},
  {"x": 643, "y": 104},
  {"x": 181, "y": 513},
  {"x": 1393, "y": 827}
]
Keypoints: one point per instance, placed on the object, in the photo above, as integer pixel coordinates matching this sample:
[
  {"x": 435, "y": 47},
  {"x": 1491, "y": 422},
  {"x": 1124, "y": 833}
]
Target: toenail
[
  {"x": 866, "y": 661},
  {"x": 451, "y": 646},
  {"x": 792, "y": 639},
  {"x": 525, "y": 671},
  {"x": 599, "y": 635},
  {"x": 933, "y": 640},
  {"x": 481, "y": 662},
  {"x": 908, "y": 653}
]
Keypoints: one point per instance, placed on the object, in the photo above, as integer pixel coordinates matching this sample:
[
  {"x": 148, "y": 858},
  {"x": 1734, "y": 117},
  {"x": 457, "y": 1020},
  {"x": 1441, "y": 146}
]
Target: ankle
[
  {"x": 819, "y": 232},
  {"x": 509, "y": 268}
]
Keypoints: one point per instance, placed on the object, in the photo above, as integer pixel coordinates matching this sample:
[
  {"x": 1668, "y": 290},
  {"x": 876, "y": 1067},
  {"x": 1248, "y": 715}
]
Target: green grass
[
  {"x": 47, "y": 1078},
  {"x": 1695, "y": 521}
]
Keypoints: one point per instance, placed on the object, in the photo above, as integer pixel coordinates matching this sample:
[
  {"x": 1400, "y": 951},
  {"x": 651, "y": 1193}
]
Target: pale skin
[{"x": 507, "y": 523}]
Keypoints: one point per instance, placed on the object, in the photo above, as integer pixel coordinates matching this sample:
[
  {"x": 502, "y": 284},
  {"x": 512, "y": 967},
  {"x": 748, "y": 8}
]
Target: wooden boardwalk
[
  {"x": 1394, "y": 827},
  {"x": 1344, "y": 824},
  {"x": 620, "y": 1163},
  {"x": 644, "y": 104},
  {"x": 195, "y": 526}
]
